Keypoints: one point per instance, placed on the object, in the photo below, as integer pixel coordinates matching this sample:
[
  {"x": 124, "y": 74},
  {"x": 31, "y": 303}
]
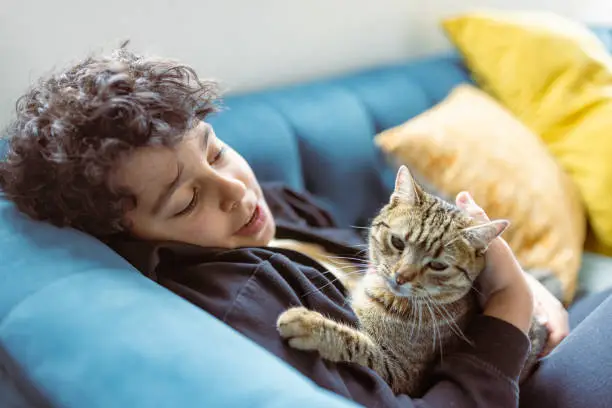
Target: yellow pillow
[
  {"x": 556, "y": 77},
  {"x": 470, "y": 142}
]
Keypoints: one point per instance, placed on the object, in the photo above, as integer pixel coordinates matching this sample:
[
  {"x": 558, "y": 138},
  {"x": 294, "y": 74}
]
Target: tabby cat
[{"x": 417, "y": 296}]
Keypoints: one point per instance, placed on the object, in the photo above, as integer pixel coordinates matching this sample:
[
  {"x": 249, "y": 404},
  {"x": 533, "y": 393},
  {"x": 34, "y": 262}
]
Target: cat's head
[{"x": 421, "y": 246}]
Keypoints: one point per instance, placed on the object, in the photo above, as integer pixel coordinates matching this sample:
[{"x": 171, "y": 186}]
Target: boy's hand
[
  {"x": 504, "y": 291},
  {"x": 550, "y": 312}
]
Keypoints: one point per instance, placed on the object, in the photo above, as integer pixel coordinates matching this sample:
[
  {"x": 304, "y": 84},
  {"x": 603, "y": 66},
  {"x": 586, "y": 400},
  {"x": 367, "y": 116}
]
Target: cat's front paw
[{"x": 303, "y": 328}]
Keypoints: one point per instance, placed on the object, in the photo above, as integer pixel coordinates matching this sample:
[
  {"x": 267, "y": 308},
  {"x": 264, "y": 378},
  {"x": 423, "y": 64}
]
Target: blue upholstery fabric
[
  {"x": 264, "y": 138},
  {"x": 90, "y": 331},
  {"x": 604, "y": 34},
  {"x": 332, "y": 123}
]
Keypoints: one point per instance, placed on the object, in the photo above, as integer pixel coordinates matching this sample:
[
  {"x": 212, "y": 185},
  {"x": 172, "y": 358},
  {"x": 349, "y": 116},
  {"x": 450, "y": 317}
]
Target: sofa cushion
[
  {"x": 262, "y": 135},
  {"x": 90, "y": 331}
]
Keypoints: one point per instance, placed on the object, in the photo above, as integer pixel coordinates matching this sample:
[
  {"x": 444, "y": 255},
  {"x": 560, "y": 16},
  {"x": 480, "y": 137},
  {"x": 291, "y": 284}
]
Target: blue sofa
[{"x": 79, "y": 327}]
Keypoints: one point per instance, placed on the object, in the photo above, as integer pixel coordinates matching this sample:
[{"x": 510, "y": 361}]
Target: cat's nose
[{"x": 401, "y": 279}]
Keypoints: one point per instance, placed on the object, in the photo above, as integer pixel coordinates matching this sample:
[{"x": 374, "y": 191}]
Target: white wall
[{"x": 249, "y": 44}]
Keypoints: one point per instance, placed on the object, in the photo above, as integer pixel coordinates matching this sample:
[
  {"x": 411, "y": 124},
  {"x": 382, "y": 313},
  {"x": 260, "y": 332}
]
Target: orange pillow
[{"x": 470, "y": 142}]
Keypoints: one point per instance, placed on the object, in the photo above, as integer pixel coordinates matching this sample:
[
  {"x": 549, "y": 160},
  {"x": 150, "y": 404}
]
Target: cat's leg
[
  {"x": 309, "y": 330},
  {"x": 538, "y": 336}
]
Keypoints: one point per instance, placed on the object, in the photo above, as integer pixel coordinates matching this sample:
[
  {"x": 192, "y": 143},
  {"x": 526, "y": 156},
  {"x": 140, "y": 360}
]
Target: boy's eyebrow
[
  {"x": 167, "y": 192},
  {"x": 205, "y": 138}
]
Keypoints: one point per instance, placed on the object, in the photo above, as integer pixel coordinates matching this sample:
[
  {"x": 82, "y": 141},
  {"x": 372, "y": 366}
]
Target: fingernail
[
  {"x": 466, "y": 198},
  {"x": 542, "y": 319}
]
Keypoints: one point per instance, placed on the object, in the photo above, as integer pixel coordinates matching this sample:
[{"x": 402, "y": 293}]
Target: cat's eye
[
  {"x": 437, "y": 266},
  {"x": 397, "y": 243}
]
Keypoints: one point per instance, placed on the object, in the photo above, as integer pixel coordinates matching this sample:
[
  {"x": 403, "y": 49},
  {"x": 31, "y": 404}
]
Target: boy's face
[{"x": 201, "y": 192}]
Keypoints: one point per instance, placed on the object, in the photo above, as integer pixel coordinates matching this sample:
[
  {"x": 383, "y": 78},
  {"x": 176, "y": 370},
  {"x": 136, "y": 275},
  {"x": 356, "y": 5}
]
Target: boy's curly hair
[{"x": 71, "y": 128}]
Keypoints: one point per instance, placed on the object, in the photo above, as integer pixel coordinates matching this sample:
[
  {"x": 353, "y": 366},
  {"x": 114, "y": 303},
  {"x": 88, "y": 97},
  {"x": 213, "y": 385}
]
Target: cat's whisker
[
  {"x": 452, "y": 324},
  {"x": 435, "y": 305},
  {"x": 360, "y": 245},
  {"x": 331, "y": 282},
  {"x": 441, "y": 346},
  {"x": 455, "y": 327},
  {"x": 318, "y": 289},
  {"x": 451, "y": 241},
  {"x": 457, "y": 330},
  {"x": 478, "y": 291},
  {"x": 433, "y": 320},
  {"x": 411, "y": 319},
  {"x": 448, "y": 318},
  {"x": 436, "y": 327},
  {"x": 342, "y": 267},
  {"x": 350, "y": 266},
  {"x": 350, "y": 273},
  {"x": 358, "y": 271},
  {"x": 348, "y": 258},
  {"x": 420, "y": 318}
]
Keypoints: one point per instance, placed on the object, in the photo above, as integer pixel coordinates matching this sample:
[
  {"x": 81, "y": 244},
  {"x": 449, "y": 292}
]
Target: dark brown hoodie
[{"x": 248, "y": 288}]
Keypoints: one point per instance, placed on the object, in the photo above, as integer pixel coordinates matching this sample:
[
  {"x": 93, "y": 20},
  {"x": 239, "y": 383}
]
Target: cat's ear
[
  {"x": 480, "y": 236},
  {"x": 406, "y": 189}
]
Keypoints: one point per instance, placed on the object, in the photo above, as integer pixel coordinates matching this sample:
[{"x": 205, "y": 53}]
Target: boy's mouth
[{"x": 254, "y": 224}]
